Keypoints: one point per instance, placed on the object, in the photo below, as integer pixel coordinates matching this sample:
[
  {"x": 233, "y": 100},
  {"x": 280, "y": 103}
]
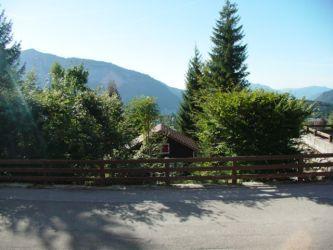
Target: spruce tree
[
  {"x": 16, "y": 126},
  {"x": 10, "y": 69},
  {"x": 189, "y": 106},
  {"x": 227, "y": 70}
]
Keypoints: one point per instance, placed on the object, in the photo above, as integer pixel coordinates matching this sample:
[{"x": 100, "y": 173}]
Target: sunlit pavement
[{"x": 295, "y": 216}]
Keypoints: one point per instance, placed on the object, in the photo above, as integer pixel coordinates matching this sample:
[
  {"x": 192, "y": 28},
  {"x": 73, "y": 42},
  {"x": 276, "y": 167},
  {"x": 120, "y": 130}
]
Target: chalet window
[{"x": 166, "y": 149}]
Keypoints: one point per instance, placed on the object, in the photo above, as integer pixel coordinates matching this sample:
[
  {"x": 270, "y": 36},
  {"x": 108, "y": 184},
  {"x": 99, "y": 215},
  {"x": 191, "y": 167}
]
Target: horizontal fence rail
[
  {"x": 167, "y": 171},
  {"x": 321, "y": 131},
  {"x": 319, "y": 125}
]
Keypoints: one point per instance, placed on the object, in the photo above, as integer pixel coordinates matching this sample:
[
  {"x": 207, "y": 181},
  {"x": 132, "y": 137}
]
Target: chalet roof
[{"x": 170, "y": 133}]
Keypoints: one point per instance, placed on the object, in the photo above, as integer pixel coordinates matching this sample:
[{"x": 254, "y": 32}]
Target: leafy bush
[
  {"x": 251, "y": 123},
  {"x": 76, "y": 122}
]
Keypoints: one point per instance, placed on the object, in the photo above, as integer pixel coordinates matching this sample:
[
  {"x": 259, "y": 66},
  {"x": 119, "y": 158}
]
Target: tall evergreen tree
[
  {"x": 29, "y": 85},
  {"x": 10, "y": 69},
  {"x": 227, "y": 70},
  {"x": 16, "y": 126},
  {"x": 189, "y": 106}
]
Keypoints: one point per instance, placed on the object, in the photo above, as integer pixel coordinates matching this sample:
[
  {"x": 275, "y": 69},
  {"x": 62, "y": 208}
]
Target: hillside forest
[{"x": 69, "y": 120}]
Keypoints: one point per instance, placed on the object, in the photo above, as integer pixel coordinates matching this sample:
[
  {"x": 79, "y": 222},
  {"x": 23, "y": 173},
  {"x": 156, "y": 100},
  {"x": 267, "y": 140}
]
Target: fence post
[
  {"x": 44, "y": 174},
  {"x": 102, "y": 174},
  {"x": 167, "y": 173},
  {"x": 234, "y": 173},
  {"x": 300, "y": 167}
]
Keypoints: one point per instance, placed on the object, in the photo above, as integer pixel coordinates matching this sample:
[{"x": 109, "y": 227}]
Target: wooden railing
[
  {"x": 167, "y": 171},
  {"x": 317, "y": 130},
  {"x": 320, "y": 126}
]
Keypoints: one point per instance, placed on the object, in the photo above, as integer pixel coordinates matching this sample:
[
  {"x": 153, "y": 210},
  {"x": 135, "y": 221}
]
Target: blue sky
[{"x": 290, "y": 43}]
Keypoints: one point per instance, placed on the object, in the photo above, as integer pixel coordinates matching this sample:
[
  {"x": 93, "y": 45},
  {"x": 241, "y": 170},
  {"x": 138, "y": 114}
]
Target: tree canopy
[
  {"x": 189, "y": 106},
  {"x": 10, "y": 69},
  {"x": 251, "y": 123},
  {"x": 69, "y": 120},
  {"x": 14, "y": 113},
  {"x": 226, "y": 69},
  {"x": 77, "y": 121},
  {"x": 141, "y": 114}
]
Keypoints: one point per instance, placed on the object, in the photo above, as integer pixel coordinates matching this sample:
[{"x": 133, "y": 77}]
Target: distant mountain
[
  {"x": 321, "y": 109},
  {"x": 309, "y": 93},
  {"x": 134, "y": 84},
  {"x": 255, "y": 86},
  {"x": 326, "y": 97},
  {"x": 129, "y": 83},
  {"x": 177, "y": 92}
]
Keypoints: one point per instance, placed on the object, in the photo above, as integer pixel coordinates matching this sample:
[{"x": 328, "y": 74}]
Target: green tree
[
  {"x": 66, "y": 120},
  {"x": 29, "y": 85},
  {"x": 169, "y": 120},
  {"x": 226, "y": 69},
  {"x": 113, "y": 90},
  {"x": 15, "y": 117},
  {"x": 70, "y": 81},
  {"x": 189, "y": 107},
  {"x": 141, "y": 115},
  {"x": 77, "y": 121},
  {"x": 251, "y": 123},
  {"x": 330, "y": 119},
  {"x": 57, "y": 75},
  {"x": 76, "y": 79},
  {"x": 10, "y": 69}
]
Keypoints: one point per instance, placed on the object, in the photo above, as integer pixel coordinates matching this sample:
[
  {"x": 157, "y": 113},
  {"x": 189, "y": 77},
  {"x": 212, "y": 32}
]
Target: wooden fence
[
  {"x": 167, "y": 171},
  {"x": 321, "y": 131}
]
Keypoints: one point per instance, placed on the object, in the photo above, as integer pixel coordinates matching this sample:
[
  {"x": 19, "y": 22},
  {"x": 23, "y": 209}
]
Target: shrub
[{"x": 251, "y": 123}]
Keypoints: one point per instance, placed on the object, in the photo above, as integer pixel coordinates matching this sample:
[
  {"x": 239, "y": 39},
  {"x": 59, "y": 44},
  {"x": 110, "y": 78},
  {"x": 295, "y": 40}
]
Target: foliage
[
  {"x": 77, "y": 122},
  {"x": 330, "y": 119},
  {"x": 29, "y": 85},
  {"x": 320, "y": 109},
  {"x": 169, "y": 121},
  {"x": 141, "y": 114},
  {"x": 69, "y": 120},
  {"x": 226, "y": 69},
  {"x": 70, "y": 81},
  {"x": 66, "y": 120},
  {"x": 189, "y": 106},
  {"x": 130, "y": 83},
  {"x": 152, "y": 149},
  {"x": 112, "y": 89},
  {"x": 16, "y": 125},
  {"x": 10, "y": 69},
  {"x": 18, "y": 134},
  {"x": 251, "y": 123}
]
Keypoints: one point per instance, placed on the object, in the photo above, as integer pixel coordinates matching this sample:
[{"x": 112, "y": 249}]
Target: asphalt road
[{"x": 297, "y": 216}]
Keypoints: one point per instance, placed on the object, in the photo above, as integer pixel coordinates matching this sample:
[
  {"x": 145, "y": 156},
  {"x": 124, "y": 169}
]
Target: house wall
[{"x": 179, "y": 150}]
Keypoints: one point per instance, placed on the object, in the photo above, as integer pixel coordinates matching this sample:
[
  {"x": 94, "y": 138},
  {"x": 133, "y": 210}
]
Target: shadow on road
[
  {"x": 95, "y": 219},
  {"x": 76, "y": 226}
]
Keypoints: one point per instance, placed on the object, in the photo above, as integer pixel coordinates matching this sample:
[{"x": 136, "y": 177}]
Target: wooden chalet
[{"x": 177, "y": 144}]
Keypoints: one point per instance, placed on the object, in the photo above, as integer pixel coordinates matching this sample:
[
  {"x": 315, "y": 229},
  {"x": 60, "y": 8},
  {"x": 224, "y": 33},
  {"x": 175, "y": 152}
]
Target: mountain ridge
[
  {"x": 130, "y": 83},
  {"x": 309, "y": 92},
  {"x": 326, "y": 97}
]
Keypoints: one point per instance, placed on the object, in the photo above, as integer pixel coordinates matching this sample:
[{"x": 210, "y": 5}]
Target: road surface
[{"x": 294, "y": 216}]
